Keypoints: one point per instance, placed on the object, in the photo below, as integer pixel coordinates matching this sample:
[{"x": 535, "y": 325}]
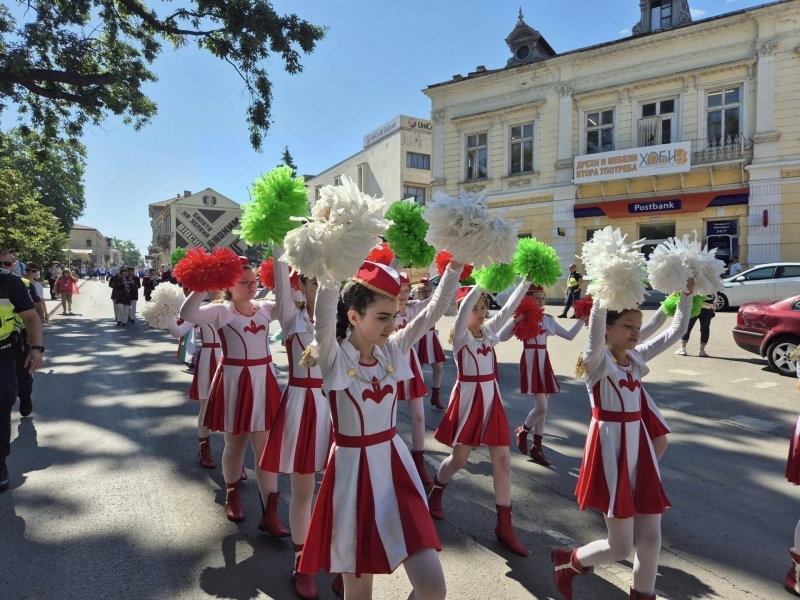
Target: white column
[
  {"x": 763, "y": 243},
  {"x": 564, "y": 217},
  {"x": 565, "y": 122},
  {"x": 766, "y": 136},
  {"x": 437, "y": 160}
]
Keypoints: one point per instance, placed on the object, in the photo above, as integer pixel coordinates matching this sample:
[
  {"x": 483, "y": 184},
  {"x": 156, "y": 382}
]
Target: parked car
[
  {"x": 773, "y": 281},
  {"x": 771, "y": 330}
]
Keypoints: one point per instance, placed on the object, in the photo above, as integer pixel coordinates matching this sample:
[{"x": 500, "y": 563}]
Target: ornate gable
[
  {"x": 662, "y": 14},
  {"x": 527, "y": 44}
]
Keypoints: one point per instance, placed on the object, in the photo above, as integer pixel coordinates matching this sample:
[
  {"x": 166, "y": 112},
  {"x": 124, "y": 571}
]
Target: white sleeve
[
  {"x": 178, "y": 331},
  {"x": 283, "y": 289},
  {"x": 679, "y": 325},
  {"x": 653, "y": 325},
  {"x": 433, "y": 311},
  {"x": 507, "y": 332},
  {"x": 459, "y": 329},
  {"x": 325, "y": 347},
  {"x": 496, "y": 323},
  {"x": 216, "y": 315},
  {"x": 567, "y": 334}
]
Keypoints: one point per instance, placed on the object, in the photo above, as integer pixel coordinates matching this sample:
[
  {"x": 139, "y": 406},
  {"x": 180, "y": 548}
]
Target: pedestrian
[
  {"x": 536, "y": 375},
  {"x": 122, "y": 294},
  {"x": 52, "y": 276},
  {"x": 573, "y": 290},
  {"x": 707, "y": 312},
  {"x": 244, "y": 394},
  {"x": 67, "y": 286},
  {"x": 301, "y": 436},
  {"x": 149, "y": 283},
  {"x": 429, "y": 349},
  {"x": 792, "y": 581},
  {"x": 369, "y": 465},
  {"x": 16, "y": 310},
  {"x": 475, "y": 416},
  {"x": 136, "y": 284},
  {"x": 734, "y": 268},
  {"x": 619, "y": 475},
  {"x": 32, "y": 275}
]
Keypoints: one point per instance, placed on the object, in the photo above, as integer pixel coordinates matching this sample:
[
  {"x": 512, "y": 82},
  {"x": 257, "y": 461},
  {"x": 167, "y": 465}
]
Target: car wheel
[
  {"x": 778, "y": 356},
  {"x": 722, "y": 301}
]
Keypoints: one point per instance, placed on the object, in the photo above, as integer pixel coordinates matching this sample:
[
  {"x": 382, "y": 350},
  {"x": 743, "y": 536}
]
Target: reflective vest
[
  {"x": 20, "y": 322},
  {"x": 9, "y": 320}
]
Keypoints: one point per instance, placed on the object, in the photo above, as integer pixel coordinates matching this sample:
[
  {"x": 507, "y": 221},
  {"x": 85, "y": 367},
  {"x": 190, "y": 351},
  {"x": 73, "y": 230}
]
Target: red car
[{"x": 770, "y": 329}]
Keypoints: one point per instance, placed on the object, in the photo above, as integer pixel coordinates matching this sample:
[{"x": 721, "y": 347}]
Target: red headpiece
[
  {"x": 462, "y": 292},
  {"x": 245, "y": 261},
  {"x": 535, "y": 288},
  {"x": 404, "y": 278},
  {"x": 424, "y": 281},
  {"x": 379, "y": 278}
]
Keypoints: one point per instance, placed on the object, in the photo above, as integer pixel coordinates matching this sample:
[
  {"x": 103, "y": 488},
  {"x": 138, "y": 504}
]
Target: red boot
[
  {"x": 233, "y": 503},
  {"x": 419, "y": 462},
  {"x": 640, "y": 596},
  {"x": 206, "y": 460},
  {"x": 435, "y": 499},
  {"x": 536, "y": 452},
  {"x": 505, "y": 531},
  {"x": 243, "y": 476},
  {"x": 338, "y": 586},
  {"x": 793, "y": 576},
  {"x": 435, "y": 402},
  {"x": 521, "y": 433},
  {"x": 269, "y": 519},
  {"x": 304, "y": 585},
  {"x": 566, "y": 568}
]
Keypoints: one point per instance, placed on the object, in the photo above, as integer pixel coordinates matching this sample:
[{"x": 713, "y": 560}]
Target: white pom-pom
[
  {"x": 463, "y": 227},
  {"x": 705, "y": 267},
  {"x": 667, "y": 270},
  {"x": 344, "y": 226},
  {"x": 617, "y": 269},
  {"x": 164, "y": 306}
]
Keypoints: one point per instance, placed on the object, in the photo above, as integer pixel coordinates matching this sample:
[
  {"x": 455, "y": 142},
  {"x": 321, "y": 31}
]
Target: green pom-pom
[
  {"x": 496, "y": 278},
  {"x": 406, "y": 236},
  {"x": 537, "y": 261},
  {"x": 670, "y": 305},
  {"x": 176, "y": 256},
  {"x": 471, "y": 281},
  {"x": 276, "y": 197}
]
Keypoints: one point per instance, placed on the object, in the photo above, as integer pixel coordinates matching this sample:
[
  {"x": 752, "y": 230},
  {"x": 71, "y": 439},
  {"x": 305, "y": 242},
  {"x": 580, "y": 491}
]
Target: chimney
[
  {"x": 458, "y": 77},
  {"x": 186, "y": 193},
  {"x": 480, "y": 69}
]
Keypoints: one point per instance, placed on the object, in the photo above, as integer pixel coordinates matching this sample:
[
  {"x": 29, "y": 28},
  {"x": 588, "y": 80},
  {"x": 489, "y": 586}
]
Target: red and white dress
[
  {"x": 619, "y": 474},
  {"x": 244, "y": 393},
  {"x": 301, "y": 436},
  {"x": 535, "y": 372},
  {"x": 371, "y": 512},
  {"x": 429, "y": 349},
  {"x": 414, "y": 387},
  {"x": 475, "y": 415},
  {"x": 208, "y": 358},
  {"x": 793, "y": 463}
]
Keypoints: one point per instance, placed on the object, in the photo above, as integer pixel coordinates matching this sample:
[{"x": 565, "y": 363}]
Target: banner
[{"x": 665, "y": 159}]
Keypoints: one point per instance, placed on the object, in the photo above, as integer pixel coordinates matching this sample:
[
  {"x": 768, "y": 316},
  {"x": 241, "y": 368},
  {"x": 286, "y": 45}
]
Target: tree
[
  {"x": 288, "y": 161},
  {"x": 131, "y": 256},
  {"x": 66, "y": 64},
  {"x": 54, "y": 168}
]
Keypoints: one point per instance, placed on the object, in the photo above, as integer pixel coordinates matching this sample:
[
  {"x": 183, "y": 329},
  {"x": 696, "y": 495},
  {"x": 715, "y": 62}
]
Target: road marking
[
  {"x": 751, "y": 423},
  {"x": 740, "y": 380},
  {"x": 676, "y": 405},
  {"x": 683, "y": 372},
  {"x": 765, "y": 385}
]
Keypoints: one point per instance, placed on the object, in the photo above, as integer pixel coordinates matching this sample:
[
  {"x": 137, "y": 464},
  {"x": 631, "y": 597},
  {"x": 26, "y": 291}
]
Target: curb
[{"x": 57, "y": 306}]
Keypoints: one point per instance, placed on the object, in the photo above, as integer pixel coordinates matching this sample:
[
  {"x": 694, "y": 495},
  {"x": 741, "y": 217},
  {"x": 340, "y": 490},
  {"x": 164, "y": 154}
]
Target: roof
[
  {"x": 482, "y": 73},
  {"x": 78, "y": 226}
]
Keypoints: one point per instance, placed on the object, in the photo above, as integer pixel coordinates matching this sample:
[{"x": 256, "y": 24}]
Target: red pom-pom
[
  {"x": 266, "y": 272},
  {"x": 531, "y": 324},
  {"x": 381, "y": 254},
  {"x": 443, "y": 259},
  {"x": 583, "y": 307},
  {"x": 201, "y": 272}
]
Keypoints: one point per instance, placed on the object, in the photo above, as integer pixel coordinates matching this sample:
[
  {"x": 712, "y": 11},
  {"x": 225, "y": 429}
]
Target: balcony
[
  {"x": 705, "y": 151},
  {"x": 164, "y": 240}
]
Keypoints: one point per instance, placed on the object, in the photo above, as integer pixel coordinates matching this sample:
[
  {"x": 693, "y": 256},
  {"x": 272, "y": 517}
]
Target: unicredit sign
[{"x": 401, "y": 122}]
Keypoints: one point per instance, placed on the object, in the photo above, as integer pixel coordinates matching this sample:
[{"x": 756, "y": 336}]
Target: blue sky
[{"x": 372, "y": 66}]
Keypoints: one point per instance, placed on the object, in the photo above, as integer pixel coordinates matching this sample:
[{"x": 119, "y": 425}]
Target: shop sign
[
  {"x": 417, "y": 124},
  {"x": 726, "y": 227},
  {"x": 636, "y": 162},
  {"x": 382, "y": 131},
  {"x": 636, "y": 208}
]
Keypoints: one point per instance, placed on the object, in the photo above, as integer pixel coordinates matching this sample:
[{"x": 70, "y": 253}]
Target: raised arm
[
  {"x": 217, "y": 315},
  {"x": 433, "y": 311},
  {"x": 568, "y": 334},
  {"x": 496, "y": 323},
  {"x": 179, "y": 330},
  {"x": 283, "y": 289},
  {"x": 325, "y": 347},
  {"x": 508, "y": 331},
  {"x": 595, "y": 351},
  {"x": 679, "y": 325},
  {"x": 653, "y": 325},
  {"x": 464, "y": 311}
]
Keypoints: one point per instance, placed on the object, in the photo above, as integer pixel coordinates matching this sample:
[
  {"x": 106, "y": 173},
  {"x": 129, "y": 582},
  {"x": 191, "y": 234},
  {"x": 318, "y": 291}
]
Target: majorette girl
[
  {"x": 300, "y": 438},
  {"x": 244, "y": 393},
  {"x": 536, "y": 375},
  {"x": 619, "y": 474},
  {"x": 371, "y": 515},
  {"x": 475, "y": 415},
  {"x": 429, "y": 349},
  {"x": 792, "y": 583}
]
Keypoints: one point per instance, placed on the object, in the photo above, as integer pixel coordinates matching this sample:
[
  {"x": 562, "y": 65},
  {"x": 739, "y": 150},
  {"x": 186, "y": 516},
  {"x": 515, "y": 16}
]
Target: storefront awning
[
  {"x": 677, "y": 204},
  {"x": 88, "y": 251}
]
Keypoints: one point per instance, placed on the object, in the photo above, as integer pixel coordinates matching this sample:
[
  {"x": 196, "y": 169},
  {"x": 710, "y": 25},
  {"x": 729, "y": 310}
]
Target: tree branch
[
  {"x": 52, "y": 76},
  {"x": 151, "y": 19},
  {"x": 58, "y": 94}
]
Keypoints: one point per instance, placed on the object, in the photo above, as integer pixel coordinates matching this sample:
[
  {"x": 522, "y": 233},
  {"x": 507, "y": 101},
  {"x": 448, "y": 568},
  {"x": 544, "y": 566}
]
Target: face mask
[{"x": 36, "y": 276}]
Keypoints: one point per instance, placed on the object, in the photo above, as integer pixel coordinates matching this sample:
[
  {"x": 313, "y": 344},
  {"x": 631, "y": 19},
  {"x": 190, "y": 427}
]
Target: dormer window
[
  {"x": 523, "y": 52},
  {"x": 661, "y": 14},
  {"x": 527, "y": 44}
]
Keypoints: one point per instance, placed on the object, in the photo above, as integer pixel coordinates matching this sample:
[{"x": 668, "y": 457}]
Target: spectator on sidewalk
[
  {"x": 32, "y": 275},
  {"x": 573, "y": 290},
  {"x": 67, "y": 286},
  {"x": 734, "y": 268},
  {"x": 707, "y": 313}
]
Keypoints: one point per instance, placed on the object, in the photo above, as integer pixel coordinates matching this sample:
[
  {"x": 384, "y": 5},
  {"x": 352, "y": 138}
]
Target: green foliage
[
  {"x": 287, "y": 159},
  {"x": 176, "y": 256},
  {"x": 496, "y": 278},
  {"x": 275, "y": 198},
  {"x": 68, "y": 64},
  {"x": 537, "y": 261},
  {"x": 406, "y": 235},
  {"x": 129, "y": 252},
  {"x": 670, "y": 305}
]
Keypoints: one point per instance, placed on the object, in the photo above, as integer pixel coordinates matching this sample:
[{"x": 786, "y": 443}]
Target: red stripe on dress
[
  {"x": 624, "y": 506},
  {"x": 592, "y": 487},
  {"x": 194, "y": 390},
  {"x": 448, "y": 426},
  {"x": 418, "y": 529},
  {"x": 244, "y": 404},
  {"x": 523, "y": 374},
  {"x": 317, "y": 550},
  {"x": 215, "y": 409},
  {"x": 496, "y": 433},
  {"x": 272, "y": 399},
  {"x": 650, "y": 496},
  {"x": 655, "y": 426},
  {"x": 370, "y": 553}
]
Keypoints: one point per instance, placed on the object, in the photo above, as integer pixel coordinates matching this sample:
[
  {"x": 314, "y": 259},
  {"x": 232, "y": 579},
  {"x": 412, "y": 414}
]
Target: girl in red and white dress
[
  {"x": 475, "y": 415},
  {"x": 792, "y": 583},
  {"x": 536, "y": 375},
  {"x": 429, "y": 349},
  {"x": 300, "y": 438},
  {"x": 244, "y": 393},
  {"x": 619, "y": 474},
  {"x": 371, "y": 515}
]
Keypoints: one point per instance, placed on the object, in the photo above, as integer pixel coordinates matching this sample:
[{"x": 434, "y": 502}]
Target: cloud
[
  {"x": 625, "y": 32},
  {"x": 697, "y": 13},
  {"x": 730, "y": 1}
]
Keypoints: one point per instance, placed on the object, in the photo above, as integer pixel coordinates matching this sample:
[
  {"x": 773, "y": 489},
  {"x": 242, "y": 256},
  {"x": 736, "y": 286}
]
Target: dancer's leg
[
  {"x": 426, "y": 575},
  {"x": 648, "y": 547}
]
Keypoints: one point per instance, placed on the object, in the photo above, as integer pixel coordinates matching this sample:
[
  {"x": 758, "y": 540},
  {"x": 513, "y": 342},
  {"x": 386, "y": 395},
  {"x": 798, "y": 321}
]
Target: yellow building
[
  {"x": 684, "y": 126},
  {"x": 89, "y": 247}
]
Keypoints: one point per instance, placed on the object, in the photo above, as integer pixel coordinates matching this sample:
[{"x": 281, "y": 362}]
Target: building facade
[
  {"x": 87, "y": 246},
  {"x": 205, "y": 220},
  {"x": 395, "y": 163},
  {"x": 684, "y": 126}
]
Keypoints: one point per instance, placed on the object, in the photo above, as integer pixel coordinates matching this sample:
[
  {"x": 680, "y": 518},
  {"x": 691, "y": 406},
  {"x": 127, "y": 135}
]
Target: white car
[{"x": 773, "y": 281}]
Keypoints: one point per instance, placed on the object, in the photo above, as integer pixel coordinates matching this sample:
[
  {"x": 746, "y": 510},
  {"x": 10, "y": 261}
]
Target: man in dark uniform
[
  {"x": 137, "y": 284},
  {"x": 149, "y": 283}
]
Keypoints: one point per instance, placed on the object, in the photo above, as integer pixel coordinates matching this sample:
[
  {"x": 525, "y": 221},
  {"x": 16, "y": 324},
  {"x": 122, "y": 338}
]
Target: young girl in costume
[
  {"x": 371, "y": 515},
  {"x": 536, "y": 375},
  {"x": 429, "y": 349},
  {"x": 300, "y": 438},
  {"x": 793, "y": 475},
  {"x": 475, "y": 415},
  {"x": 244, "y": 393},
  {"x": 619, "y": 474}
]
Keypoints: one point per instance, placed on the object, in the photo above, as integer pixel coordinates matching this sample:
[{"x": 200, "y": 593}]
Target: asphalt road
[{"x": 107, "y": 499}]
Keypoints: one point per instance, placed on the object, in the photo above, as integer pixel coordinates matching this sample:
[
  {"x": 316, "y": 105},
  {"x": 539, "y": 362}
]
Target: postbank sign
[{"x": 648, "y": 161}]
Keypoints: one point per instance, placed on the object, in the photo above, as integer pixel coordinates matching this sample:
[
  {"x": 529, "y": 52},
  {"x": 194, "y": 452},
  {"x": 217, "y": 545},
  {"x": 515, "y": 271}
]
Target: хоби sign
[{"x": 636, "y": 162}]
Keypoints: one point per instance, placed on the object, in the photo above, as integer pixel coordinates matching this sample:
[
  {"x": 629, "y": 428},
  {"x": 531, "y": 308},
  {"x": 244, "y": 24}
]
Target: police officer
[
  {"x": 573, "y": 290},
  {"x": 16, "y": 309}
]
